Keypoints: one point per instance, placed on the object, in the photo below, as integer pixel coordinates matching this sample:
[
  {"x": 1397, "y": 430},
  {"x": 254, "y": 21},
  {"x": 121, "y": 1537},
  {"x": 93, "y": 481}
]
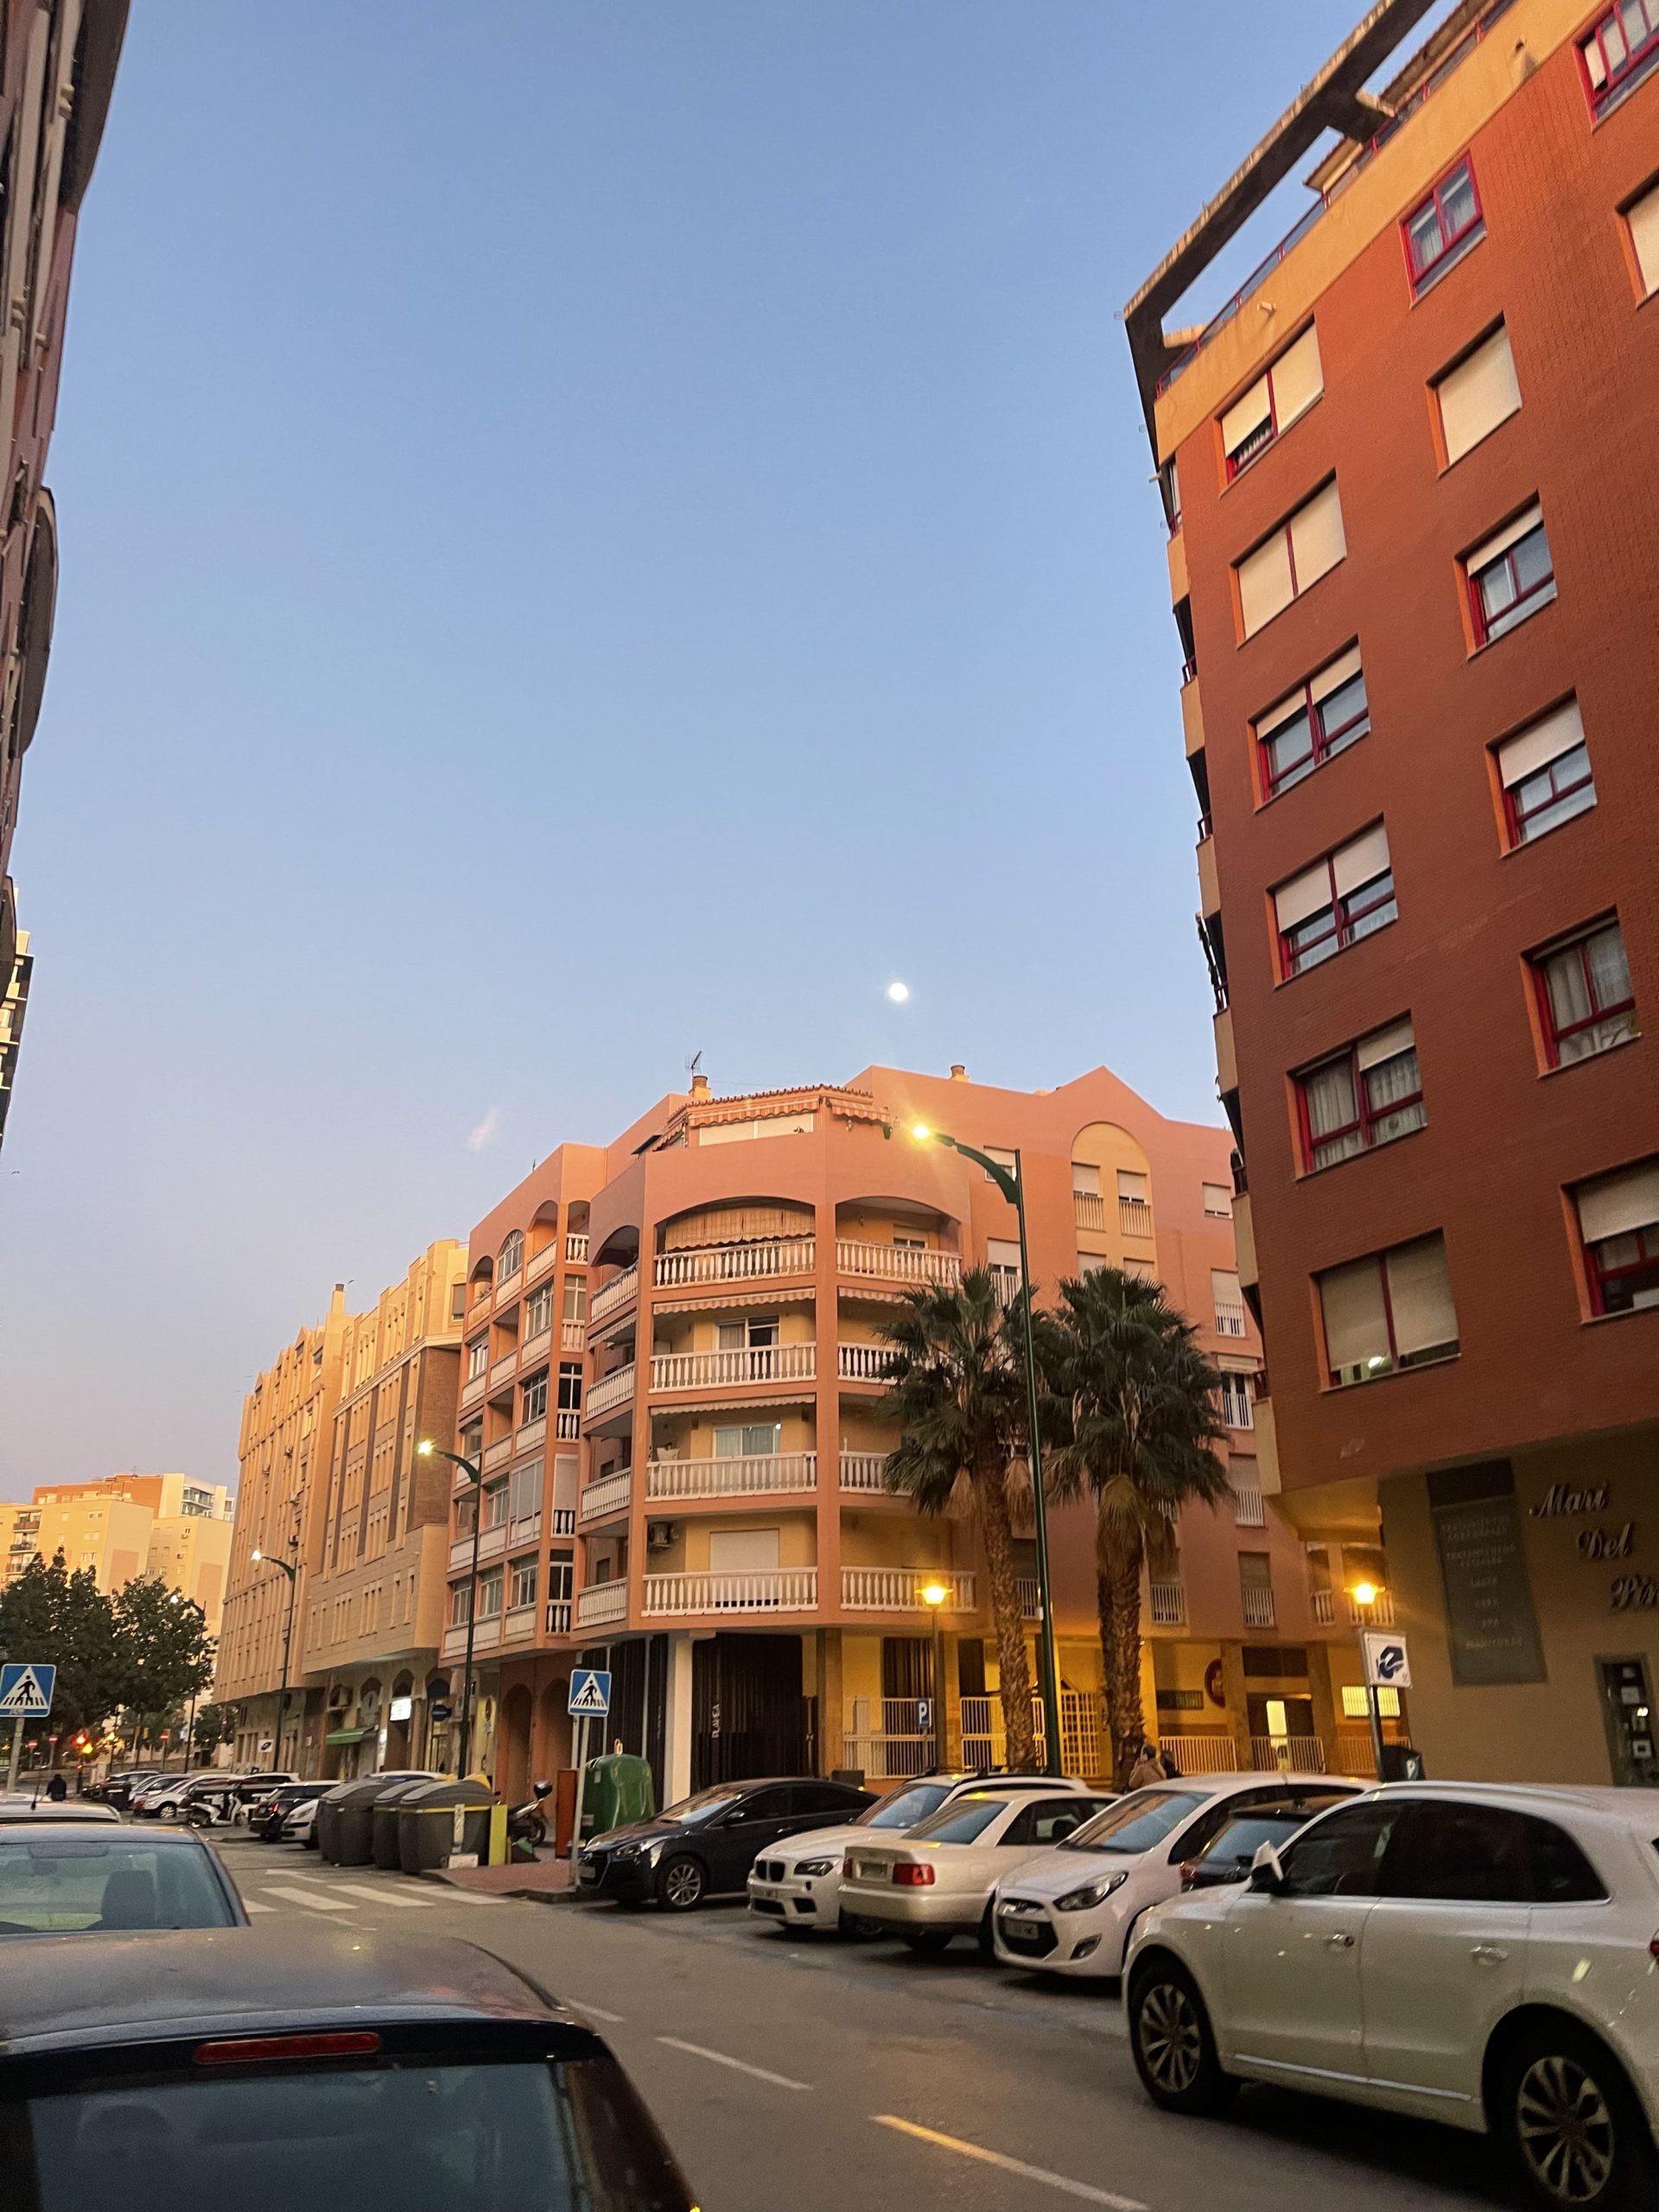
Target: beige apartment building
[{"x": 122, "y": 1527}]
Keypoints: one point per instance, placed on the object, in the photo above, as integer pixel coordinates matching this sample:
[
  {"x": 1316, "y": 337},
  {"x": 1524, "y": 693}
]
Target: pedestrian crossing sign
[
  {"x": 26, "y": 1690},
  {"x": 590, "y": 1693}
]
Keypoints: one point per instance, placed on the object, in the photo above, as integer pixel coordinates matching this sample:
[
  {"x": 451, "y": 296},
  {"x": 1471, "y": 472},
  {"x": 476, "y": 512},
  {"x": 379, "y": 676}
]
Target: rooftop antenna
[{"x": 694, "y": 1064}]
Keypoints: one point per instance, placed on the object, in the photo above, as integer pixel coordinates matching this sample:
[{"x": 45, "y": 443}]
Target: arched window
[{"x": 511, "y": 1256}]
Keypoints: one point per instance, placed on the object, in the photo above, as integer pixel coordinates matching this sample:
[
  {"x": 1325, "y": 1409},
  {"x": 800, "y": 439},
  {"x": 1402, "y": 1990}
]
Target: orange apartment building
[
  {"x": 1409, "y": 472},
  {"x": 672, "y": 1371}
]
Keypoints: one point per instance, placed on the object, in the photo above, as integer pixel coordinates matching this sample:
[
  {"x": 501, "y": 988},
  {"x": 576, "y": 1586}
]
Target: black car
[
  {"x": 1226, "y": 1857},
  {"x": 267, "y": 1814},
  {"x": 401, "y": 2076},
  {"x": 78, "y": 1878},
  {"x": 704, "y": 1846}
]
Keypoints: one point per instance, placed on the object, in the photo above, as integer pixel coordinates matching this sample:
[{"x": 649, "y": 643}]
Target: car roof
[
  {"x": 1636, "y": 1808},
  {"x": 151, "y": 1838},
  {"x": 68, "y": 1993},
  {"x": 1016, "y": 1793},
  {"x": 60, "y": 1810}
]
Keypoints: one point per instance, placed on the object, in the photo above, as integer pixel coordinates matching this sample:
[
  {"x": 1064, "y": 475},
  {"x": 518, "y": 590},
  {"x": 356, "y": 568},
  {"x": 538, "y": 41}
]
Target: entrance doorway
[
  {"x": 748, "y": 1717},
  {"x": 1628, "y": 1716}
]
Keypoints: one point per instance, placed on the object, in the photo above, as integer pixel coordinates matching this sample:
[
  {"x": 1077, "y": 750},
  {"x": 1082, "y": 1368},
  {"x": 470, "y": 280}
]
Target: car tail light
[
  {"x": 908, "y": 1877},
  {"x": 847, "y": 1867},
  {"x": 252, "y": 2051}
]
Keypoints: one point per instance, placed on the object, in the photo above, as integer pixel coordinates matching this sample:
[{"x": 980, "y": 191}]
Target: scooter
[{"x": 527, "y": 1824}]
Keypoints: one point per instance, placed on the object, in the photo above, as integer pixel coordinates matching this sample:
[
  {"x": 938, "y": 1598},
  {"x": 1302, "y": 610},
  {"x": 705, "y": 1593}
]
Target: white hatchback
[
  {"x": 1070, "y": 1910},
  {"x": 1484, "y": 1955}
]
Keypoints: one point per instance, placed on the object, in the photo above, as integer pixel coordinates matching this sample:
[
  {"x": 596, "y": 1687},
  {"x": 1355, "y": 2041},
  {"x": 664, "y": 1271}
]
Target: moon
[{"x": 898, "y": 993}]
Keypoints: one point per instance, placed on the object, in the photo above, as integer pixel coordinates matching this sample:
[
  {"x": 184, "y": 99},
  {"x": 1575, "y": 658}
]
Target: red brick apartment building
[{"x": 1411, "y": 475}]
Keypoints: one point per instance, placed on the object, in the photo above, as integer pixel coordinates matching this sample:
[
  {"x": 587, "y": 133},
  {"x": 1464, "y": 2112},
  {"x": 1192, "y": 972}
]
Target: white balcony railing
[
  {"x": 1133, "y": 1217},
  {"x": 576, "y": 1250},
  {"x": 564, "y": 1520},
  {"x": 558, "y": 1616},
  {"x": 1203, "y": 1754},
  {"x": 455, "y": 1643},
  {"x": 526, "y": 1529},
  {"x": 529, "y": 1433},
  {"x": 491, "y": 1542},
  {"x": 1089, "y": 1209},
  {"x": 474, "y": 1387},
  {"x": 895, "y": 1262},
  {"x": 532, "y": 1346},
  {"x": 1031, "y": 1597},
  {"x": 619, "y": 1292},
  {"x": 605, "y": 1601},
  {"x": 777, "y": 1255},
  {"x": 610, "y": 1391},
  {"x": 539, "y": 1262},
  {"x": 862, "y": 1363},
  {"x": 781, "y": 1589},
  {"x": 567, "y": 1424},
  {"x": 1168, "y": 1603},
  {"x": 1258, "y": 1608},
  {"x": 700, "y": 1370},
  {"x": 862, "y": 1471},
  {"x": 754, "y": 1476},
  {"x": 899, "y": 1589},
  {"x": 610, "y": 1494},
  {"x": 504, "y": 1366},
  {"x": 1249, "y": 1511},
  {"x": 1287, "y": 1755},
  {"x": 498, "y": 1454},
  {"x": 573, "y": 1335},
  {"x": 1322, "y": 1605},
  {"x": 1229, "y": 1318},
  {"x": 1379, "y": 1614},
  {"x": 460, "y": 1553}
]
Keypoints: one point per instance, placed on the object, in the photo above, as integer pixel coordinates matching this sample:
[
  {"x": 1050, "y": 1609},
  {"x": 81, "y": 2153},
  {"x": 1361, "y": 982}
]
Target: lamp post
[
  {"x": 290, "y": 1568},
  {"x": 474, "y": 1475},
  {"x": 1364, "y": 1595},
  {"x": 1012, "y": 1183},
  {"x": 934, "y": 1594}
]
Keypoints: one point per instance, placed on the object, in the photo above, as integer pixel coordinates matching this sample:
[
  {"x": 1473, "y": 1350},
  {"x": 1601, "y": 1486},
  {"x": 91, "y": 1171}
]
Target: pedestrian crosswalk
[{"x": 323, "y": 1897}]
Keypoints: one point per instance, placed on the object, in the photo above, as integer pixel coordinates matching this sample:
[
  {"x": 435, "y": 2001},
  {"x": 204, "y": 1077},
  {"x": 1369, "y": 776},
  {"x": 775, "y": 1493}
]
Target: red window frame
[
  {"x": 1324, "y": 741},
  {"x": 1539, "y": 963},
  {"x": 1344, "y": 911},
  {"x": 1599, "y": 1275},
  {"x": 1268, "y": 434},
  {"x": 1639, "y": 59},
  {"x": 1512, "y": 620},
  {"x": 1365, "y": 1120},
  {"x": 1515, "y": 820},
  {"x": 1449, "y": 244}
]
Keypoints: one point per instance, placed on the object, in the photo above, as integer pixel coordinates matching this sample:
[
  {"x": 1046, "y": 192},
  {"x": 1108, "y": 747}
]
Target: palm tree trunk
[
  {"x": 1117, "y": 1595},
  {"x": 990, "y": 1489}
]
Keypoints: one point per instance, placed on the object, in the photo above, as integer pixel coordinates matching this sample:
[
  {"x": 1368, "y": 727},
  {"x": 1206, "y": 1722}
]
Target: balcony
[
  {"x": 573, "y": 1335},
  {"x": 576, "y": 1250},
  {"x": 539, "y": 1262},
  {"x": 1258, "y": 1608},
  {"x": 782, "y": 1590},
  {"x": 1133, "y": 1217},
  {"x": 474, "y": 1387},
  {"x": 564, "y": 1520},
  {"x": 779, "y": 1255},
  {"x": 491, "y": 1542},
  {"x": 899, "y": 1589},
  {"x": 1229, "y": 1318},
  {"x": 895, "y": 1262},
  {"x": 504, "y": 1367},
  {"x": 1090, "y": 1208},
  {"x": 1168, "y": 1603},
  {"x": 485, "y": 1637},
  {"x": 862, "y": 1363},
  {"x": 1325, "y": 1603},
  {"x": 530, "y": 1434},
  {"x": 603, "y": 1603},
  {"x": 609, "y": 1393},
  {"x": 518, "y": 1621},
  {"x": 558, "y": 1616},
  {"x": 1287, "y": 1755},
  {"x": 533, "y": 1347},
  {"x": 610, "y": 1494},
  {"x": 702, "y": 1370},
  {"x": 567, "y": 1424},
  {"x": 526, "y": 1529},
  {"x": 1248, "y": 1509},
  {"x": 761, "y": 1475},
  {"x": 1029, "y": 1592},
  {"x": 862, "y": 1471},
  {"x": 621, "y": 1291},
  {"x": 498, "y": 1454}
]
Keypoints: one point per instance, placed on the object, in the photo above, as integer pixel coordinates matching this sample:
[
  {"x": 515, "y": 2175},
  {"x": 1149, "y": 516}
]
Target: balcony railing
[
  {"x": 610, "y": 1494},
  {"x": 1258, "y": 1608},
  {"x": 1090, "y": 1208},
  {"x": 863, "y": 1362},
  {"x": 567, "y": 1424},
  {"x": 532, "y": 1345},
  {"x": 1030, "y": 1592},
  {"x": 1201, "y": 1754},
  {"x": 573, "y": 1335},
  {"x": 474, "y": 1387},
  {"x": 619, "y": 1290},
  {"x": 863, "y": 1470},
  {"x": 1168, "y": 1603},
  {"x": 777, "y": 1255},
  {"x": 899, "y": 1589},
  {"x": 498, "y": 1454},
  {"x": 1379, "y": 1614},
  {"x": 526, "y": 1529},
  {"x": 1084, "y": 1748},
  {"x": 782, "y": 1590},
  {"x": 539, "y": 1262},
  {"x": 518, "y": 1620},
  {"x": 558, "y": 1616},
  {"x": 605, "y": 1601},
  {"x": 1322, "y": 1605},
  {"x": 756, "y": 1475},
  {"x": 503, "y": 1367},
  {"x": 700, "y": 1370},
  {"x": 564, "y": 1520},
  {"x": 485, "y": 1637},
  {"x": 895, "y": 1262},
  {"x": 529, "y": 1433},
  {"x": 610, "y": 1391},
  {"x": 1229, "y": 1318},
  {"x": 1249, "y": 1511},
  {"x": 1133, "y": 1217},
  {"x": 576, "y": 1250},
  {"x": 1287, "y": 1755}
]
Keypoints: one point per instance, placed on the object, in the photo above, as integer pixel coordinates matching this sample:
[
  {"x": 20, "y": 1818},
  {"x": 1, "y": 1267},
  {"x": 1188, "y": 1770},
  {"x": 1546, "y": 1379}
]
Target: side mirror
[{"x": 1267, "y": 1871}]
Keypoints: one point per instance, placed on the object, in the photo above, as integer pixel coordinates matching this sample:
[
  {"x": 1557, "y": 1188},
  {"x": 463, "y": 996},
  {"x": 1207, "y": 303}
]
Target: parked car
[
  {"x": 299, "y": 1823},
  {"x": 1477, "y": 1953},
  {"x": 937, "y": 1882},
  {"x": 1231, "y": 1853},
  {"x": 798, "y": 1883},
  {"x": 148, "y": 1786},
  {"x": 704, "y": 1846},
  {"x": 17, "y": 1807},
  {"x": 115, "y": 1789},
  {"x": 397, "y": 2074},
  {"x": 268, "y": 1811},
  {"x": 75, "y": 1878},
  {"x": 1070, "y": 1911}
]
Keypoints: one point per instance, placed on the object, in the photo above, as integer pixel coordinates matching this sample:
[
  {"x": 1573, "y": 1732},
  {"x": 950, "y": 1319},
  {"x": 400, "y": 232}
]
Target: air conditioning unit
[{"x": 659, "y": 1535}]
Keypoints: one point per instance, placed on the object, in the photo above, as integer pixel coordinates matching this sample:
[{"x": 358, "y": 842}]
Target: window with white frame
[
  {"x": 1620, "y": 50},
  {"x": 511, "y": 1256},
  {"x": 560, "y": 1576},
  {"x": 477, "y": 1357},
  {"x": 1389, "y": 1311},
  {"x": 1085, "y": 1179},
  {"x": 1002, "y": 1257},
  {"x": 1477, "y": 394},
  {"x": 1273, "y": 402},
  {"x": 538, "y": 1311},
  {"x": 1305, "y": 547},
  {"x": 532, "y": 1398},
  {"x": 489, "y": 1587},
  {"x": 749, "y": 1440},
  {"x": 575, "y": 1298},
  {"x": 495, "y": 1505},
  {"x": 472, "y": 1439},
  {"x": 1642, "y": 217},
  {"x": 1511, "y": 576},
  {"x": 1442, "y": 229},
  {"x": 569, "y": 1387},
  {"x": 1312, "y": 724},
  {"x": 1342, "y": 897},
  {"x": 1228, "y": 1299},
  {"x": 523, "y": 1589},
  {"x": 1619, "y": 1223},
  {"x": 1366, "y": 1095},
  {"x": 1238, "y": 1401},
  {"x": 1133, "y": 1188},
  {"x": 1218, "y": 1201},
  {"x": 1545, "y": 774},
  {"x": 461, "y": 1604},
  {"x": 1004, "y": 1158},
  {"x": 525, "y": 1484},
  {"x": 1585, "y": 1001}
]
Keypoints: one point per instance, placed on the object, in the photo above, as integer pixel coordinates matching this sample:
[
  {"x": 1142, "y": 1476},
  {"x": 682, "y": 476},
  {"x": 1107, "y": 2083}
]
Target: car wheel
[
  {"x": 681, "y": 1885},
  {"x": 170, "y": 1812},
  {"x": 987, "y": 1938},
  {"x": 926, "y": 1942},
  {"x": 1574, "y": 2131},
  {"x": 1169, "y": 2036}
]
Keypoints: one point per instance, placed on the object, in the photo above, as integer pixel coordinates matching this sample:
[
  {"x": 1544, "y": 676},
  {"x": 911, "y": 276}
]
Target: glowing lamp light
[
  {"x": 934, "y": 1594},
  {"x": 255, "y": 1555},
  {"x": 424, "y": 1448},
  {"x": 921, "y": 1131},
  {"x": 1365, "y": 1594}
]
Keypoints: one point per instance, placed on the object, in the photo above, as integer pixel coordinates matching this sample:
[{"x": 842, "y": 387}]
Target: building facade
[
  {"x": 124, "y": 1527},
  {"x": 1417, "y": 590}
]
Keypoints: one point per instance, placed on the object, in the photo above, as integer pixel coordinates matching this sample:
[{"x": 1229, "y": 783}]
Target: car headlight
[
  {"x": 816, "y": 1866},
  {"x": 651, "y": 1852},
  {"x": 1091, "y": 1893}
]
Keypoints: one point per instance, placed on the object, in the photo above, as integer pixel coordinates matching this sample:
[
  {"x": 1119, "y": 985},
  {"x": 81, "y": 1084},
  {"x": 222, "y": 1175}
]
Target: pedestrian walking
[{"x": 1148, "y": 1768}]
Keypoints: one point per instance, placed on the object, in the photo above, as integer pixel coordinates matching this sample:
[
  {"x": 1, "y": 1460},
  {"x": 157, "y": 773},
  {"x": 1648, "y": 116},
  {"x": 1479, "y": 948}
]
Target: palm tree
[
  {"x": 957, "y": 1393},
  {"x": 1135, "y": 1420}
]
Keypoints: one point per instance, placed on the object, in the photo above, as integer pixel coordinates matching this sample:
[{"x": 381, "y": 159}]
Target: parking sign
[{"x": 1386, "y": 1660}]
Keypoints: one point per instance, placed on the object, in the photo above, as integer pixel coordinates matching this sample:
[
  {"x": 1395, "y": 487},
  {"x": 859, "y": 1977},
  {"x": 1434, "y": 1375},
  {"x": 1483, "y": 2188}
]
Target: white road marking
[
  {"x": 696, "y": 2049},
  {"x": 254, "y": 1905},
  {"x": 386, "y": 1896},
  {"x": 469, "y": 1896},
  {"x": 1090, "y": 2195},
  {"x": 595, "y": 2012},
  {"x": 304, "y": 1896}
]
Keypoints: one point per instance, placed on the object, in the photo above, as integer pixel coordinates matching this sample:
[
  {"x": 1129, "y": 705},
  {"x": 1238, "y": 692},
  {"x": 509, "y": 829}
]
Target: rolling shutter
[
  {"x": 1477, "y": 395},
  {"x": 1420, "y": 1295},
  {"x": 1264, "y": 587},
  {"x": 1643, "y": 219},
  {"x": 1245, "y": 416},
  {"x": 1303, "y": 896},
  {"x": 1336, "y": 674},
  {"x": 1316, "y": 537},
  {"x": 1298, "y": 378},
  {"x": 1614, "y": 1204},
  {"x": 1511, "y": 534},
  {"x": 1367, "y": 857},
  {"x": 1385, "y": 1044},
  {"x": 1356, "y": 1324},
  {"x": 1534, "y": 748}
]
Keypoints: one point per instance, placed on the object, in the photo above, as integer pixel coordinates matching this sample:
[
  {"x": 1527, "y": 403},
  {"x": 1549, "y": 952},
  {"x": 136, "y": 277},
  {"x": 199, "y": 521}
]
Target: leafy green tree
[
  {"x": 1132, "y": 1402},
  {"x": 215, "y": 1725},
  {"x": 957, "y": 1393},
  {"x": 64, "y": 1620},
  {"x": 163, "y": 1652}
]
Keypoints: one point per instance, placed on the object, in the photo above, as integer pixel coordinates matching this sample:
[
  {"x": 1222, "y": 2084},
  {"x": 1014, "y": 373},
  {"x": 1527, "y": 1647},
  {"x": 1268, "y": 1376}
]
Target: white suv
[{"x": 1480, "y": 1954}]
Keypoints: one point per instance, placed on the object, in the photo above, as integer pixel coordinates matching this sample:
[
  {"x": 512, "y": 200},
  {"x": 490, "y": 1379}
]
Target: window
[
  {"x": 1236, "y": 1402},
  {"x": 1477, "y": 395},
  {"x": 575, "y": 1298},
  {"x": 538, "y": 1311},
  {"x": 1510, "y": 576},
  {"x": 569, "y": 1387},
  {"x": 1364, "y": 1095},
  {"x": 526, "y": 1488},
  {"x": 1085, "y": 1179},
  {"x": 1356, "y": 1705},
  {"x": 1391, "y": 1310},
  {"x": 753, "y": 1440},
  {"x": 472, "y": 1439},
  {"x": 1339, "y": 899},
  {"x": 1297, "y": 553},
  {"x": 1643, "y": 216},
  {"x": 477, "y": 1357},
  {"x": 1585, "y": 996},
  {"x": 1256, "y": 1588},
  {"x": 1003, "y": 1158},
  {"x": 1485, "y": 1854},
  {"x": 1134, "y": 1189},
  {"x": 511, "y": 1256},
  {"x": 495, "y": 1505},
  {"x": 1218, "y": 1201},
  {"x": 1618, "y": 1222},
  {"x": 1620, "y": 51},
  {"x": 1227, "y": 1301},
  {"x": 1444, "y": 228},
  {"x": 1545, "y": 775},
  {"x": 489, "y": 1593},
  {"x": 1340, "y": 1856},
  {"x": 522, "y": 1590},
  {"x": 461, "y": 1604},
  {"x": 532, "y": 1398},
  {"x": 1273, "y": 402},
  {"x": 1002, "y": 1257},
  {"x": 758, "y": 1332}
]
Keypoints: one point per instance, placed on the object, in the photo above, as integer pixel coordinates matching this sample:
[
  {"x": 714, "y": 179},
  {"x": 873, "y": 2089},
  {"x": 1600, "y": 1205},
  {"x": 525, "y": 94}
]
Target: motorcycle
[
  {"x": 527, "y": 1824},
  {"x": 216, "y": 1811}
]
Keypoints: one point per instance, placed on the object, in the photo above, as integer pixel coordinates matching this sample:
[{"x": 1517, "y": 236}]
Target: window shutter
[
  {"x": 1357, "y": 863},
  {"x": 1218, "y": 1200},
  {"x": 1298, "y": 378},
  {"x": 1303, "y": 896},
  {"x": 1286, "y": 710},
  {"x": 1477, "y": 395},
  {"x": 1134, "y": 1188},
  {"x": 1511, "y": 534},
  {"x": 564, "y": 1483},
  {"x": 1245, "y": 416},
  {"x": 1643, "y": 219},
  {"x": 1333, "y": 677},
  {"x": 1223, "y": 1287},
  {"x": 1385, "y": 1044},
  {"x": 1420, "y": 1293},
  {"x": 1001, "y": 1252},
  {"x": 1086, "y": 1179},
  {"x": 1264, "y": 582},
  {"x": 1614, "y": 1204},
  {"x": 1316, "y": 536},
  {"x": 1356, "y": 1328},
  {"x": 743, "y": 1551},
  {"x": 1534, "y": 748}
]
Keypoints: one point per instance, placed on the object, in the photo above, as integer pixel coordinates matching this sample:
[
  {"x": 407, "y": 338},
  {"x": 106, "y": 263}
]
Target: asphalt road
[{"x": 805, "y": 2074}]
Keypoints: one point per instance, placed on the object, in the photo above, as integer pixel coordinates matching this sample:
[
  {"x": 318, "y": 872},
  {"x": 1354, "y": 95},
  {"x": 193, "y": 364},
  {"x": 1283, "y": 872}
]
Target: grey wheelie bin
[{"x": 444, "y": 1820}]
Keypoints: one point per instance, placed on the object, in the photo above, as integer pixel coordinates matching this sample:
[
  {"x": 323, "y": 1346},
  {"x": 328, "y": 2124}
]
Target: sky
[{"x": 592, "y": 531}]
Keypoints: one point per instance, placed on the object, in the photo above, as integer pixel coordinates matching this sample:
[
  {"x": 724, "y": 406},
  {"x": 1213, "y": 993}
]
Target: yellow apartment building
[{"x": 124, "y": 1526}]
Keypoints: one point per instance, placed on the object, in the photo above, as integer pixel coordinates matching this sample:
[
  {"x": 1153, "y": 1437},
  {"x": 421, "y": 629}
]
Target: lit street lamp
[
  {"x": 474, "y": 1474},
  {"x": 290, "y": 1568},
  {"x": 1365, "y": 1595},
  {"x": 934, "y": 1594}
]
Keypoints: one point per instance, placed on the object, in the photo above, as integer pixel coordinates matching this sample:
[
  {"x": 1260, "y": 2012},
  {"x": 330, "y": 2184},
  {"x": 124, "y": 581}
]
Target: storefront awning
[{"x": 350, "y": 1735}]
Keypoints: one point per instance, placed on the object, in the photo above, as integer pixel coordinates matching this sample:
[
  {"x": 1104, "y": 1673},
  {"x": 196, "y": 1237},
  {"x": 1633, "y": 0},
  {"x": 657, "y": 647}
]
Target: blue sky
[{"x": 592, "y": 530}]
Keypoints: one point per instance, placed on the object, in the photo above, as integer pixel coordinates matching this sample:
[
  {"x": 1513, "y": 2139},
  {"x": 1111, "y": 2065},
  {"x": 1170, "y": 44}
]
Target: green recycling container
[
  {"x": 617, "y": 1790},
  {"x": 440, "y": 1820}
]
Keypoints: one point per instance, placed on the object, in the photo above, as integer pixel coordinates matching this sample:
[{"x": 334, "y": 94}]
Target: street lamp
[
  {"x": 474, "y": 1474},
  {"x": 934, "y": 1594},
  {"x": 1365, "y": 1595},
  {"x": 290, "y": 1568},
  {"x": 1012, "y": 1183}
]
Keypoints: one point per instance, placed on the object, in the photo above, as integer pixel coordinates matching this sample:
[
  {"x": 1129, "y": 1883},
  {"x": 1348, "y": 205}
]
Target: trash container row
[{"x": 414, "y": 1824}]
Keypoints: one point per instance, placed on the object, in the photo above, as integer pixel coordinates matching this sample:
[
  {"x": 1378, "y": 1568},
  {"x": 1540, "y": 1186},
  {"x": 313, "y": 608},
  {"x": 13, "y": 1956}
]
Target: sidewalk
[{"x": 548, "y": 1878}]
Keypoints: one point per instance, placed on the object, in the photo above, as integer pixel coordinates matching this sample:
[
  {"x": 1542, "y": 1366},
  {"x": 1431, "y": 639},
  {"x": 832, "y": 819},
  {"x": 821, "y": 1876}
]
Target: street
[{"x": 795, "y": 2073}]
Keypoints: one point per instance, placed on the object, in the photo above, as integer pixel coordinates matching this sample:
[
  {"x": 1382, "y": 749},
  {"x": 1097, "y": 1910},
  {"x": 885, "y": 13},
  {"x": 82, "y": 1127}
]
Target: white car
[
  {"x": 1070, "y": 1910},
  {"x": 937, "y": 1882},
  {"x": 1478, "y": 1954},
  {"x": 299, "y": 1823},
  {"x": 797, "y": 1883}
]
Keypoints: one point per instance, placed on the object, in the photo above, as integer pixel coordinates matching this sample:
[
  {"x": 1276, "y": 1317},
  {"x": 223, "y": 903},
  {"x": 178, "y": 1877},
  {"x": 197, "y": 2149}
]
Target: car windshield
[
  {"x": 492, "y": 2139},
  {"x": 706, "y": 1806},
  {"x": 905, "y": 1807},
  {"x": 1137, "y": 1823},
  {"x": 1242, "y": 1838},
  {"x": 961, "y": 1822},
  {"x": 98, "y": 1880}
]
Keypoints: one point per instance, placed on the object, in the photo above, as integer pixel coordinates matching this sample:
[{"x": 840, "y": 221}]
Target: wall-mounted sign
[
  {"x": 1559, "y": 1501},
  {"x": 401, "y": 1708},
  {"x": 1491, "y": 1625},
  {"x": 1634, "y": 1593}
]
